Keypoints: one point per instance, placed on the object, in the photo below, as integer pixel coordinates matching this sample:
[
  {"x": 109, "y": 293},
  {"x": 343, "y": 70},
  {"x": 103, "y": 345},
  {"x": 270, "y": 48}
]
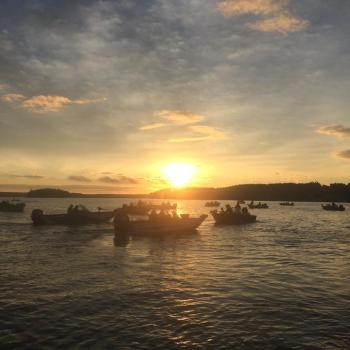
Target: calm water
[{"x": 283, "y": 282}]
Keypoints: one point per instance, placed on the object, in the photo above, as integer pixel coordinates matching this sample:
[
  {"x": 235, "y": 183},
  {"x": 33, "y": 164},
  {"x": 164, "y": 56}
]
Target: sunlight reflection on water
[{"x": 283, "y": 281}]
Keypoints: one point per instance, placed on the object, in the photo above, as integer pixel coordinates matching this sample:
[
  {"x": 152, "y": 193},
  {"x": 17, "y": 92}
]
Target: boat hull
[
  {"x": 83, "y": 218},
  {"x": 161, "y": 227},
  {"x": 258, "y": 206},
  {"x": 233, "y": 219},
  {"x": 9, "y": 207},
  {"x": 330, "y": 208}
]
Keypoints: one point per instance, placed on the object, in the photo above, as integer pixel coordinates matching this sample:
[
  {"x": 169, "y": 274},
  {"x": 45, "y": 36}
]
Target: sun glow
[{"x": 179, "y": 175}]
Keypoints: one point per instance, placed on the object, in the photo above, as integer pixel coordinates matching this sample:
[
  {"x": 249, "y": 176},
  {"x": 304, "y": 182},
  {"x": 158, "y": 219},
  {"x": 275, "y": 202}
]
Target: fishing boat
[
  {"x": 162, "y": 226},
  {"x": 287, "y": 204},
  {"x": 232, "y": 218},
  {"x": 333, "y": 207},
  {"x": 81, "y": 216},
  {"x": 252, "y": 205},
  {"x": 12, "y": 206},
  {"x": 212, "y": 204}
]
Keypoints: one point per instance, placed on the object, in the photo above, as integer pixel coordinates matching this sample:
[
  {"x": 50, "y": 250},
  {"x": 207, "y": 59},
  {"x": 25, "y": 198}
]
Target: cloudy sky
[{"x": 98, "y": 96}]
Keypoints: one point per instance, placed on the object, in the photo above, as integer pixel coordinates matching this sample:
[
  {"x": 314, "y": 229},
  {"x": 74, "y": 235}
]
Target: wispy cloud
[
  {"x": 256, "y": 7},
  {"x": 152, "y": 126},
  {"x": 204, "y": 133},
  {"x": 179, "y": 117},
  {"x": 275, "y": 14},
  {"x": 282, "y": 22},
  {"x": 118, "y": 180},
  {"x": 33, "y": 177},
  {"x": 43, "y": 104},
  {"x": 344, "y": 154},
  {"x": 337, "y": 130},
  {"x": 11, "y": 98},
  {"x": 79, "y": 178}
]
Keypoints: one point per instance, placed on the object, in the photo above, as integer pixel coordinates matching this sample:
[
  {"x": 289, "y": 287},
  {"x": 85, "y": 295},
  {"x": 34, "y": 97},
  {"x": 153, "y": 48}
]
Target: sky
[{"x": 100, "y": 96}]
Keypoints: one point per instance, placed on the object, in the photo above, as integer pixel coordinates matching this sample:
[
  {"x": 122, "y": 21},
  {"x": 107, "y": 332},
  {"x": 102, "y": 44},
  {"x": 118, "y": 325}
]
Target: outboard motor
[{"x": 37, "y": 216}]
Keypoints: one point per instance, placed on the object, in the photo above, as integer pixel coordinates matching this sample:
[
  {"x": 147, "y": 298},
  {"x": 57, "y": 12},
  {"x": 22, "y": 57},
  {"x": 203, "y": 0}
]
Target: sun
[{"x": 178, "y": 174}]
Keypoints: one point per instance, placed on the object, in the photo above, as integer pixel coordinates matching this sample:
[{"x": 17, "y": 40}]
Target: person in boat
[
  {"x": 245, "y": 211},
  {"x": 229, "y": 209},
  {"x": 237, "y": 208},
  {"x": 175, "y": 215},
  {"x": 70, "y": 209},
  {"x": 153, "y": 215}
]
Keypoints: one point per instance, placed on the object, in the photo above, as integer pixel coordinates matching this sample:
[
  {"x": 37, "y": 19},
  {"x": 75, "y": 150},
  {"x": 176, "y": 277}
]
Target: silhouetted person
[
  {"x": 70, "y": 208},
  {"x": 229, "y": 209}
]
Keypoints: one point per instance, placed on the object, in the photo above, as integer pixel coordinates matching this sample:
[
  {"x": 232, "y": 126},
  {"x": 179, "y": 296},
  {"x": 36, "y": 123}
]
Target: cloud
[
  {"x": 117, "y": 180},
  {"x": 179, "y": 117},
  {"x": 337, "y": 130},
  {"x": 79, "y": 178},
  {"x": 152, "y": 126},
  {"x": 33, "y": 177},
  {"x": 282, "y": 22},
  {"x": 275, "y": 14},
  {"x": 11, "y": 98},
  {"x": 43, "y": 104},
  {"x": 344, "y": 154},
  {"x": 205, "y": 132},
  {"x": 256, "y": 7}
]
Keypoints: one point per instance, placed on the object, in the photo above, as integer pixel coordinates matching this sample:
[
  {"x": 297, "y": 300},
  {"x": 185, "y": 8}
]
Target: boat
[
  {"x": 333, "y": 207},
  {"x": 12, "y": 206},
  {"x": 123, "y": 226},
  {"x": 252, "y": 205},
  {"x": 287, "y": 204},
  {"x": 212, "y": 204},
  {"x": 232, "y": 218},
  {"x": 79, "y": 216}
]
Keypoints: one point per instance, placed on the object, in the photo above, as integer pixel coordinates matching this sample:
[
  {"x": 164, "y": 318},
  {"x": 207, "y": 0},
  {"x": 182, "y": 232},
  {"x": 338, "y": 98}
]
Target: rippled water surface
[{"x": 282, "y": 283}]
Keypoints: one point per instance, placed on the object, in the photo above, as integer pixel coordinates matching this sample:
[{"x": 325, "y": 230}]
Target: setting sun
[{"x": 179, "y": 175}]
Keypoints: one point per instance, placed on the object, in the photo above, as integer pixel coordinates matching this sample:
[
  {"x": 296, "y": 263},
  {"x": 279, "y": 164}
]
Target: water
[{"x": 282, "y": 283}]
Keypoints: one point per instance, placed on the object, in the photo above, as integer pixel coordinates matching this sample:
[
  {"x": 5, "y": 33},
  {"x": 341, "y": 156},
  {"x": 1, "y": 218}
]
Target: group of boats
[{"x": 144, "y": 218}]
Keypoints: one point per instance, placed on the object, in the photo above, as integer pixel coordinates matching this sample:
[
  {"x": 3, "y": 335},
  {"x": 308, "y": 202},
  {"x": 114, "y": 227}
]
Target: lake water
[{"x": 281, "y": 283}]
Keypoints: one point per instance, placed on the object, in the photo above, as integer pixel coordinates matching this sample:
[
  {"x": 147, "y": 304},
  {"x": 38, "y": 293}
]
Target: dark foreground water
[{"x": 282, "y": 283}]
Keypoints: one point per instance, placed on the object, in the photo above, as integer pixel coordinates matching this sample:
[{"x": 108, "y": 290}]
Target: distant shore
[{"x": 302, "y": 192}]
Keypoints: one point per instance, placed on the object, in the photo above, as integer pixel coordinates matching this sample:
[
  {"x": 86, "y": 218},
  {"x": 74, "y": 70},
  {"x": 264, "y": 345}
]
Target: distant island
[
  {"x": 59, "y": 193},
  {"x": 302, "y": 192},
  {"x": 51, "y": 193}
]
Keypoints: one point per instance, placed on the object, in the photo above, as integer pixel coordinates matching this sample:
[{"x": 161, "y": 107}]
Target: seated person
[{"x": 245, "y": 211}]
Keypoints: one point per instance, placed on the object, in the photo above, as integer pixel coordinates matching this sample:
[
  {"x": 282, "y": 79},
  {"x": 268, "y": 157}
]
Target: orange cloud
[
  {"x": 43, "y": 104},
  {"x": 256, "y": 7},
  {"x": 11, "y": 98},
  {"x": 344, "y": 154},
  {"x": 337, "y": 130},
  {"x": 206, "y": 133},
  {"x": 276, "y": 16},
  {"x": 179, "y": 117},
  {"x": 282, "y": 23},
  {"x": 152, "y": 126}
]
